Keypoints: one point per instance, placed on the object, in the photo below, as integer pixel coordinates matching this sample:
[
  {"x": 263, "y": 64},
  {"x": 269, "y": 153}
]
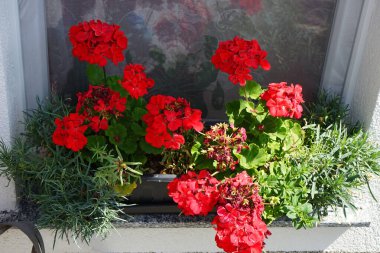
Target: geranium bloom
[
  {"x": 167, "y": 119},
  {"x": 99, "y": 100},
  {"x": 239, "y": 230},
  {"x": 135, "y": 80},
  {"x": 220, "y": 142},
  {"x": 238, "y": 222},
  {"x": 195, "y": 194},
  {"x": 283, "y": 100},
  {"x": 236, "y": 57},
  {"x": 69, "y": 132},
  {"x": 97, "y": 124},
  {"x": 96, "y": 41}
]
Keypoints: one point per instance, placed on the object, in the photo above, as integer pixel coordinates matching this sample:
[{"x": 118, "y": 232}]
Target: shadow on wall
[{"x": 289, "y": 239}]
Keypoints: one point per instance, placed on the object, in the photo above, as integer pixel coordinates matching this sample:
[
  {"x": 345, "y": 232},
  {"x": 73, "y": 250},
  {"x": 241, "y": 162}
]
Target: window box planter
[{"x": 151, "y": 196}]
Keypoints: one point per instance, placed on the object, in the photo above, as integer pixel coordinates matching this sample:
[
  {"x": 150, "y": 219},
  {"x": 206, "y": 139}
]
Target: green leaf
[
  {"x": 195, "y": 148},
  {"x": 95, "y": 74},
  {"x": 291, "y": 215},
  {"x": 138, "y": 112},
  {"x": 116, "y": 133},
  {"x": 252, "y": 157},
  {"x": 128, "y": 146},
  {"x": 261, "y": 114},
  {"x": 294, "y": 136},
  {"x": 146, "y": 147},
  {"x": 141, "y": 158},
  {"x": 203, "y": 162},
  {"x": 248, "y": 106},
  {"x": 94, "y": 141},
  {"x": 125, "y": 189},
  {"x": 137, "y": 129},
  {"x": 232, "y": 110},
  {"x": 251, "y": 90}
]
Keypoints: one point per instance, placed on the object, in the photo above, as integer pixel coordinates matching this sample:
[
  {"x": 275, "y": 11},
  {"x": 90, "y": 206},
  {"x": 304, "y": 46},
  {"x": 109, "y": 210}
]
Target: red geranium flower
[
  {"x": 195, "y": 194},
  {"x": 96, "y": 41},
  {"x": 239, "y": 230},
  {"x": 69, "y": 132},
  {"x": 283, "y": 100},
  {"x": 238, "y": 222},
  {"x": 135, "y": 80},
  {"x": 99, "y": 100},
  {"x": 236, "y": 57},
  {"x": 167, "y": 119},
  {"x": 97, "y": 124}
]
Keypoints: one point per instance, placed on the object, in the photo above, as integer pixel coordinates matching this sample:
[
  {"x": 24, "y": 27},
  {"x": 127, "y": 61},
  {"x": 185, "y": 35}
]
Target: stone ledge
[{"x": 180, "y": 221}]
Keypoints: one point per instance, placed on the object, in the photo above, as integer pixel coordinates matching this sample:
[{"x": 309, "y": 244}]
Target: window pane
[{"x": 175, "y": 39}]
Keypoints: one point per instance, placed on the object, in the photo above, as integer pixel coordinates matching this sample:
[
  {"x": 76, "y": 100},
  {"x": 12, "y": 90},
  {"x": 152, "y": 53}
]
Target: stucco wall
[{"x": 12, "y": 91}]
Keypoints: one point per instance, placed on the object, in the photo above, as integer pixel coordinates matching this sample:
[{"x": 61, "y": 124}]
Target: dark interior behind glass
[{"x": 175, "y": 39}]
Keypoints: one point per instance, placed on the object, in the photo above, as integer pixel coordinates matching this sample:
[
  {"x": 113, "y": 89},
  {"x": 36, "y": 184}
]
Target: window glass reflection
[{"x": 175, "y": 39}]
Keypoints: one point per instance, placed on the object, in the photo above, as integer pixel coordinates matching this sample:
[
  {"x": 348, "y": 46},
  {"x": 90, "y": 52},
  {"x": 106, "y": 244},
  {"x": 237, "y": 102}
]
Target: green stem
[{"x": 105, "y": 76}]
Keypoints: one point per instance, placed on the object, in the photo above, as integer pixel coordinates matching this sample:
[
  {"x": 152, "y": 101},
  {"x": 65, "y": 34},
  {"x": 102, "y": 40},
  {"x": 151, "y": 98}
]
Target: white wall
[{"x": 12, "y": 90}]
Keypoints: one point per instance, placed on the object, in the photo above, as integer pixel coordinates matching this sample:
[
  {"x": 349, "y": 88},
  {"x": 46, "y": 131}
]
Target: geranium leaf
[
  {"x": 251, "y": 90},
  {"x": 128, "y": 146},
  {"x": 95, "y": 74},
  {"x": 137, "y": 129},
  {"x": 138, "y": 112},
  {"x": 94, "y": 141},
  {"x": 252, "y": 157}
]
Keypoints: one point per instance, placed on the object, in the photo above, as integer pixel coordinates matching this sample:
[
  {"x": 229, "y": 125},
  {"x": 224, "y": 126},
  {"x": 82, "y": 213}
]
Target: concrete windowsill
[{"x": 180, "y": 221}]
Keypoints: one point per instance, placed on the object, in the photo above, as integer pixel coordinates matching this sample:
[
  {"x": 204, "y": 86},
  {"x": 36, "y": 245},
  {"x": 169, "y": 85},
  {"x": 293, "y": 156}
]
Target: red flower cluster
[
  {"x": 96, "y": 41},
  {"x": 238, "y": 222},
  {"x": 220, "y": 142},
  {"x": 236, "y": 57},
  {"x": 135, "y": 80},
  {"x": 167, "y": 119},
  {"x": 283, "y": 100},
  {"x": 93, "y": 110},
  {"x": 69, "y": 132},
  {"x": 239, "y": 230},
  {"x": 195, "y": 194},
  {"x": 98, "y": 104}
]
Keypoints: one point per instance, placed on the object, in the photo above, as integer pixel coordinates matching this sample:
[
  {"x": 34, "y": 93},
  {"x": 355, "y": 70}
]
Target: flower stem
[{"x": 105, "y": 76}]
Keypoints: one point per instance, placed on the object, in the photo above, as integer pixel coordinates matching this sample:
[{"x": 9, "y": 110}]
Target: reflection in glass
[{"x": 175, "y": 39}]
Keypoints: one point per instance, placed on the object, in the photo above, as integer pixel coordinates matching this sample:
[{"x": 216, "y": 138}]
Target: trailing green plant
[
  {"x": 325, "y": 110},
  {"x": 339, "y": 162},
  {"x": 75, "y": 193}
]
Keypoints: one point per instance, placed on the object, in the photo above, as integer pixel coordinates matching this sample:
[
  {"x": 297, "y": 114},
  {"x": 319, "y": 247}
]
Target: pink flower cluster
[
  {"x": 220, "y": 142},
  {"x": 283, "y": 100}
]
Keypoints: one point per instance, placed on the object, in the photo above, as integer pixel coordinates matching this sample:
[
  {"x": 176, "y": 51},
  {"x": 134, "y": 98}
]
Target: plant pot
[{"x": 151, "y": 196}]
